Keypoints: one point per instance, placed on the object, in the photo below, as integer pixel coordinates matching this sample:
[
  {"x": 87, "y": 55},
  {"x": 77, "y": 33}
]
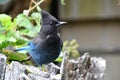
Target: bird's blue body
[{"x": 46, "y": 47}]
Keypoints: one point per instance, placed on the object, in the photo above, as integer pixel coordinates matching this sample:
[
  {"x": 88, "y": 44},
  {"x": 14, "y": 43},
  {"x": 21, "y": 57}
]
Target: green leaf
[
  {"x": 24, "y": 21},
  {"x": 20, "y": 42},
  {"x": 12, "y": 39},
  {"x": 5, "y": 20},
  {"x": 33, "y": 32},
  {"x": 37, "y": 17},
  {"x": 63, "y": 2},
  {"x": 2, "y": 38},
  {"x": 15, "y": 56},
  {"x": 4, "y": 17},
  {"x": 4, "y": 44},
  {"x": 12, "y": 26},
  {"x": 1, "y": 24},
  {"x": 59, "y": 59}
]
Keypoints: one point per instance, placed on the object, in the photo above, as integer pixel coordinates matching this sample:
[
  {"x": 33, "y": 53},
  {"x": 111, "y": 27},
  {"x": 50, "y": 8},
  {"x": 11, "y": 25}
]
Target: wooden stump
[
  {"x": 2, "y": 66},
  {"x": 82, "y": 68}
]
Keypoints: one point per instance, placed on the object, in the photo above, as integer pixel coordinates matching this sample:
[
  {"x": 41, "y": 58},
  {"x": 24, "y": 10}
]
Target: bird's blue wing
[
  {"x": 23, "y": 48},
  {"x": 30, "y": 45}
]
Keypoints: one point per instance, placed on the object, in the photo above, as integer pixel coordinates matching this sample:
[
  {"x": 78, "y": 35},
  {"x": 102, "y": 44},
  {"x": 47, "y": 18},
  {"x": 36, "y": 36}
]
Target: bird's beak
[{"x": 60, "y": 23}]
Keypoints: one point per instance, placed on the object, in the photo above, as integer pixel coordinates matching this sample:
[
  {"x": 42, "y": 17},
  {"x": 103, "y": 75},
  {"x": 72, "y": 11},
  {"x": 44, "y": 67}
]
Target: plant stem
[{"x": 35, "y": 5}]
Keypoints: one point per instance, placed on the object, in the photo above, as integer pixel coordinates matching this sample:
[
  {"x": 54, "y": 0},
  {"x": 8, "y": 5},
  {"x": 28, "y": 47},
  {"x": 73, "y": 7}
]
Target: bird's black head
[
  {"x": 49, "y": 24},
  {"x": 48, "y": 19}
]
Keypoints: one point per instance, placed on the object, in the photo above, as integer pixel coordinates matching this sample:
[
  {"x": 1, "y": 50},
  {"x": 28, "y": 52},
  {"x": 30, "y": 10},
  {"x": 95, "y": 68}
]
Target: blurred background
[{"x": 95, "y": 24}]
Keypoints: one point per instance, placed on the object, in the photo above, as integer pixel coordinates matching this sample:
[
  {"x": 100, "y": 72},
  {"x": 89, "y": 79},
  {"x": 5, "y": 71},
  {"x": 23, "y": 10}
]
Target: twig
[
  {"x": 30, "y": 5},
  {"x": 36, "y": 5},
  {"x": 34, "y": 2},
  {"x": 26, "y": 12}
]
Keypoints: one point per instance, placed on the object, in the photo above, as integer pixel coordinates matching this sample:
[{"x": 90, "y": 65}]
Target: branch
[{"x": 27, "y": 12}]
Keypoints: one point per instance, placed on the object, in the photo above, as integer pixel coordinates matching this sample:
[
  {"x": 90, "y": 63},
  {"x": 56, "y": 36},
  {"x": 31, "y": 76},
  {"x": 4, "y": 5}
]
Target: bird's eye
[{"x": 53, "y": 23}]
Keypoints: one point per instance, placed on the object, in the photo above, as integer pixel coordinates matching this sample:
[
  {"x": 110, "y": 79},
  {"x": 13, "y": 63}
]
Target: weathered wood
[
  {"x": 83, "y": 68},
  {"x": 17, "y": 71},
  {"x": 2, "y": 66}
]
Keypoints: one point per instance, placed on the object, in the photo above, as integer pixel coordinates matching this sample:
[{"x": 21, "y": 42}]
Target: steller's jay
[{"x": 46, "y": 47}]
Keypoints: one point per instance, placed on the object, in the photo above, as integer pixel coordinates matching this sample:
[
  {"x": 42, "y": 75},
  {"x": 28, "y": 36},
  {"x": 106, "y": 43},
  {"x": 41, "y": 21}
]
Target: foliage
[
  {"x": 71, "y": 47},
  {"x": 17, "y": 32}
]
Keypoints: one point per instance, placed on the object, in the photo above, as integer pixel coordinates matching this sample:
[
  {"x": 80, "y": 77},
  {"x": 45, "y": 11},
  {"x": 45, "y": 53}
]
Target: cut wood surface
[{"x": 82, "y": 68}]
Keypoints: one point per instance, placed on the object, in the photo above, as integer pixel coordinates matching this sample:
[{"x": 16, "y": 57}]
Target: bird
[{"x": 47, "y": 45}]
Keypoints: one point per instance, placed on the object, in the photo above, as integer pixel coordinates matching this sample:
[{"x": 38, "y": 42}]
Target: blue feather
[{"x": 23, "y": 48}]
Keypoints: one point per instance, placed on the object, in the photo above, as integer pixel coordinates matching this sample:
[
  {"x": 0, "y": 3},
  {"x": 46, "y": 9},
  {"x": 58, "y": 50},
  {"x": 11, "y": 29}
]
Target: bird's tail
[{"x": 23, "y": 48}]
